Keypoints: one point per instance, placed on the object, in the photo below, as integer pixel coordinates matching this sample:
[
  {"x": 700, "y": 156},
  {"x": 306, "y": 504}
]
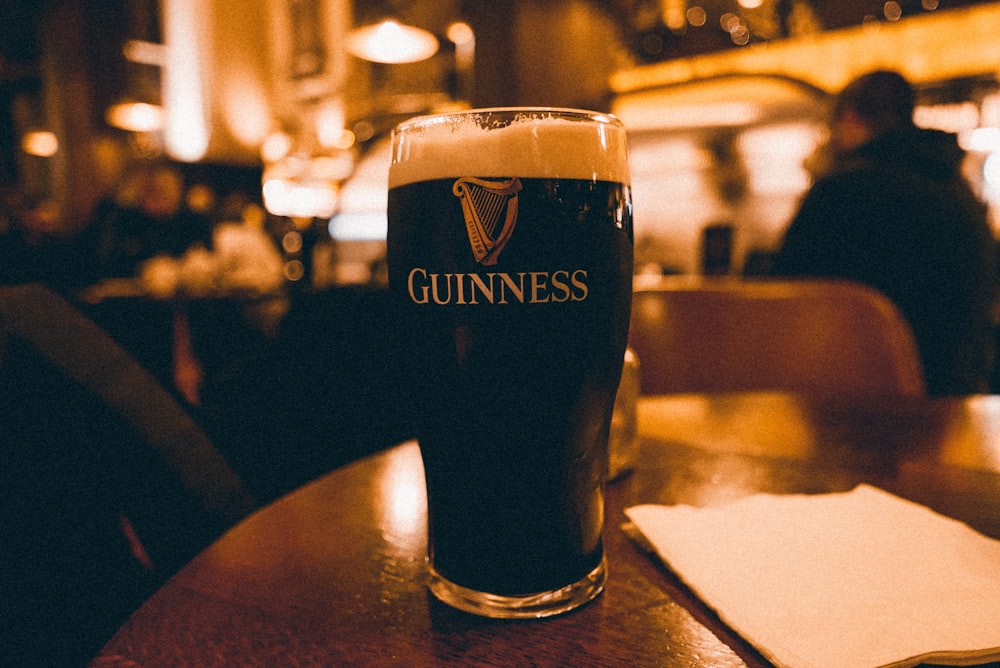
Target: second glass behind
[{"x": 510, "y": 251}]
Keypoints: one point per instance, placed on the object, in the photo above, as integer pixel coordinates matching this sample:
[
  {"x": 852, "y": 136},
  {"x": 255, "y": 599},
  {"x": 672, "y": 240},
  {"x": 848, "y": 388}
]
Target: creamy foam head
[{"x": 539, "y": 143}]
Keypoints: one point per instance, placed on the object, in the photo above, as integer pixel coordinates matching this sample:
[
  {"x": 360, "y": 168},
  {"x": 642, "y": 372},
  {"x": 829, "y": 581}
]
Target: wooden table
[{"x": 332, "y": 574}]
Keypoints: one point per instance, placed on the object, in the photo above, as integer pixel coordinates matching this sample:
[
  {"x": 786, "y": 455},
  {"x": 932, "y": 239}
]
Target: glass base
[{"x": 529, "y": 606}]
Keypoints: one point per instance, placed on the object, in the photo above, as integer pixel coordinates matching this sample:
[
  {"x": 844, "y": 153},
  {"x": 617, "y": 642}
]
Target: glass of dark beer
[{"x": 510, "y": 252}]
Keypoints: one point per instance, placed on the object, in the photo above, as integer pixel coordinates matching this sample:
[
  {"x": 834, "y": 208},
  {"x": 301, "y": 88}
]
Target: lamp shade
[{"x": 392, "y": 42}]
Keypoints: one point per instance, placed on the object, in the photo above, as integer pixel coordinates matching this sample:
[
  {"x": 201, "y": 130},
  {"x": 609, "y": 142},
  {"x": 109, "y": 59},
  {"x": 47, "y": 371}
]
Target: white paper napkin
[{"x": 858, "y": 579}]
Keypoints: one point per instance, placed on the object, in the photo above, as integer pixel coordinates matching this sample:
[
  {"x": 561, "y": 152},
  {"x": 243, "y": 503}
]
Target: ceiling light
[
  {"x": 392, "y": 43},
  {"x": 41, "y": 143},
  {"x": 135, "y": 116}
]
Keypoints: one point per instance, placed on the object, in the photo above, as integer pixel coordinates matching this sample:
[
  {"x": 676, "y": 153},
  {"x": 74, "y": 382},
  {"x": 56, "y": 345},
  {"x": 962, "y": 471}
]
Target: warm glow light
[
  {"x": 461, "y": 33},
  {"x": 330, "y": 131},
  {"x": 989, "y": 110},
  {"x": 673, "y": 14},
  {"x": 685, "y": 418},
  {"x": 697, "y": 116},
  {"x": 334, "y": 167},
  {"x": 40, "y": 143},
  {"x": 361, "y": 215},
  {"x": 751, "y": 4},
  {"x": 923, "y": 48},
  {"x": 244, "y": 104},
  {"x": 291, "y": 242},
  {"x": 302, "y": 176},
  {"x": 729, "y": 22},
  {"x": 345, "y": 141},
  {"x": 185, "y": 130},
  {"x": 402, "y": 484},
  {"x": 892, "y": 11},
  {"x": 948, "y": 117},
  {"x": 294, "y": 270},
  {"x": 275, "y": 146},
  {"x": 145, "y": 53},
  {"x": 991, "y": 174},
  {"x": 300, "y": 200},
  {"x": 740, "y": 35},
  {"x": 775, "y": 156},
  {"x": 361, "y": 226},
  {"x": 697, "y": 16},
  {"x": 392, "y": 43},
  {"x": 306, "y": 186},
  {"x": 971, "y": 444},
  {"x": 980, "y": 140},
  {"x": 135, "y": 116}
]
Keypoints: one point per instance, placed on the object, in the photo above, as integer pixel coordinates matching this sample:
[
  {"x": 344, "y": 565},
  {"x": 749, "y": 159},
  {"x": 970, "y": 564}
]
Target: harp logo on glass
[{"x": 490, "y": 210}]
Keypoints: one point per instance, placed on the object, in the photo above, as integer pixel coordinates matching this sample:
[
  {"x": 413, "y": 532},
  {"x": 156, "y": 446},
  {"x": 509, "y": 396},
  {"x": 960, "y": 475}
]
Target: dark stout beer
[{"x": 515, "y": 322}]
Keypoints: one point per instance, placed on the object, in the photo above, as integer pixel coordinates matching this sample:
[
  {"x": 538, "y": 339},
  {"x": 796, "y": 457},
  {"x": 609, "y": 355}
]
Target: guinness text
[{"x": 524, "y": 287}]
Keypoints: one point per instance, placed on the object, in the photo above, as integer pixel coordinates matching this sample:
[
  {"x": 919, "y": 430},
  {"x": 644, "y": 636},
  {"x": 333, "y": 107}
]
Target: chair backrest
[
  {"x": 183, "y": 458},
  {"x": 695, "y": 334}
]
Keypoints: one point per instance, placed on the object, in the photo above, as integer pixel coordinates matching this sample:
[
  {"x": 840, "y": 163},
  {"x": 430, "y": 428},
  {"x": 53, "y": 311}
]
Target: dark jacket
[{"x": 898, "y": 215}]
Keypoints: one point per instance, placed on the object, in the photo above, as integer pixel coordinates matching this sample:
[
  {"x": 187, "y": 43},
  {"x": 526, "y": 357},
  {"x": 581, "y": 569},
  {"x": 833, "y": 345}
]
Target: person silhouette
[{"x": 894, "y": 211}]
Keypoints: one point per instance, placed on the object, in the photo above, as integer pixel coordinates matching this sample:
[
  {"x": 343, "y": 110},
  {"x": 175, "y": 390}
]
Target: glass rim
[{"x": 528, "y": 112}]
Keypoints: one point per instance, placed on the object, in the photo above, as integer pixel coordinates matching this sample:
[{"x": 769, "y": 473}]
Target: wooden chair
[{"x": 695, "y": 334}]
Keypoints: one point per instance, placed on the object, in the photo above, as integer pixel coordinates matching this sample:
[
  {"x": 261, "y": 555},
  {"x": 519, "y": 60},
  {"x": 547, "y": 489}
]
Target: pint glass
[{"x": 510, "y": 252}]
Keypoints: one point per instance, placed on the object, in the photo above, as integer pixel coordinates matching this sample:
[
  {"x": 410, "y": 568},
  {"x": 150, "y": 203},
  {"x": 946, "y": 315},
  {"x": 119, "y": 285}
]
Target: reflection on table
[{"x": 333, "y": 572}]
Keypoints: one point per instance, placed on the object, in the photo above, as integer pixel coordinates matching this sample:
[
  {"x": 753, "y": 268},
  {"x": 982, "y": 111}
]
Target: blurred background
[
  {"x": 206, "y": 180},
  {"x": 287, "y": 104}
]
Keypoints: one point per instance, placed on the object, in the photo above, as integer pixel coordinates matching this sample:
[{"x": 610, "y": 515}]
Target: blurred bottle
[{"x": 623, "y": 442}]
